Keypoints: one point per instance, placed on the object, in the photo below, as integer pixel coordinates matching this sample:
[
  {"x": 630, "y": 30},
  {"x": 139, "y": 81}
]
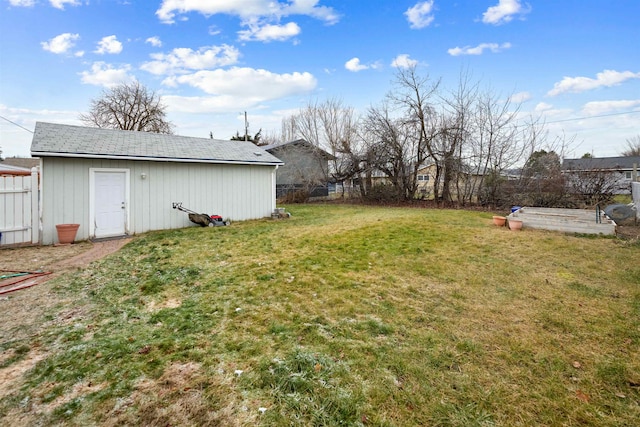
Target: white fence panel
[
  {"x": 19, "y": 218},
  {"x": 635, "y": 191}
]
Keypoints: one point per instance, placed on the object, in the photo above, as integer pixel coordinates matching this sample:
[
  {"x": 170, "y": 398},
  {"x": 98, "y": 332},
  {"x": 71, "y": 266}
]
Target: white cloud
[
  {"x": 108, "y": 44},
  {"x": 60, "y": 44},
  {"x": 209, "y": 104},
  {"x": 103, "y": 74},
  {"x": 59, "y": 4},
  {"x": 17, "y": 141},
  {"x": 403, "y": 61},
  {"x": 310, "y": 8},
  {"x": 355, "y": 65},
  {"x": 595, "y": 108},
  {"x": 607, "y": 78},
  {"x": 22, "y": 3},
  {"x": 247, "y": 9},
  {"x": 504, "y": 12},
  {"x": 266, "y": 33},
  {"x": 478, "y": 50},
  {"x": 543, "y": 106},
  {"x": 180, "y": 60},
  {"x": 520, "y": 97},
  {"x": 420, "y": 15},
  {"x": 255, "y": 85},
  {"x": 154, "y": 41}
]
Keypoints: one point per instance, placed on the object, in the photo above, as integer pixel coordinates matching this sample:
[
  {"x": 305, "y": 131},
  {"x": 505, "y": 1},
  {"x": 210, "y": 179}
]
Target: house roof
[
  {"x": 56, "y": 140},
  {"x": 22, "y": 162},
  {"x": 274, "y": 147},
  {"x": 603, "y": 163},
  {"x": 13, "y": 170}
]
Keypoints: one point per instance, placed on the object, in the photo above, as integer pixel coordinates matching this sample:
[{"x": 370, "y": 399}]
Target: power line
[
  {"x": 594, "y": 117},
  {"x": 14, "y": 123}
]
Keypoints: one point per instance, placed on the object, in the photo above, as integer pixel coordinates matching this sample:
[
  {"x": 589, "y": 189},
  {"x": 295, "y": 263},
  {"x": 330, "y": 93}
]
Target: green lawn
[{"x": 343, "y": 315}]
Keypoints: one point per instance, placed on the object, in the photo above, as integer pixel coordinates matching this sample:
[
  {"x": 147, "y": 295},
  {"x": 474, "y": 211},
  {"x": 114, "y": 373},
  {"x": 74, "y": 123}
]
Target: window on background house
[
  {"x": 423, "y": 177},
  {"x": 627, "y": 174}
]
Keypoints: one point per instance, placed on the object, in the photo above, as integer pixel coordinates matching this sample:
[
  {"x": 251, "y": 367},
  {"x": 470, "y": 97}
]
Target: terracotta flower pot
[
  {"x": 499, "y": 220},
  {"x": 67, "y": 233},
  {"x": 515, "y": 224}
]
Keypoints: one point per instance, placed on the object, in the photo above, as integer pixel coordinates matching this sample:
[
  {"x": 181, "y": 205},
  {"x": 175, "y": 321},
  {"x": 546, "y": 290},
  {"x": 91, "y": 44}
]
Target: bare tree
[
  {"x": 400, "y": 133},
  {"x": 593, "y": 186},
  {"x": 128, "y": 106},
  {"x": 632, "y": 148},
  {"x": 451, "y": 146},
  {"x": 391, "y": 149}
]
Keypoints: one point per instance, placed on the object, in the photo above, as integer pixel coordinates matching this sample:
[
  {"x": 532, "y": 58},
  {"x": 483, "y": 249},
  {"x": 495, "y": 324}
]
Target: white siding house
[{"x": 115, "y": 182}]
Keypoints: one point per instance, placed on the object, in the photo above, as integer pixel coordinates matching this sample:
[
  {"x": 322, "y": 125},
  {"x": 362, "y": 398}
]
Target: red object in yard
[{"x": 21, "y": 280}]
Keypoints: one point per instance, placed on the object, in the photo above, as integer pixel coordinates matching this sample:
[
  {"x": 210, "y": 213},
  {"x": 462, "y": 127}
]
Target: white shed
[{"x": 115, "y": 182}]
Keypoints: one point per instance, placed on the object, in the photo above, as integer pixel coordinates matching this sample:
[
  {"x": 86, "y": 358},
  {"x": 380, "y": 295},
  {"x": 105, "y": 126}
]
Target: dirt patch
[
  {"x": 12, "y": 373},
  {"x": 177, "y": 398},
  {"x": 167, "y": 303},
  {"x": 629, "y": 231},
  {"x": 57, "y": 258},
  {"x": 22, "y": 309},
  {"x": 78, "y": 390}
]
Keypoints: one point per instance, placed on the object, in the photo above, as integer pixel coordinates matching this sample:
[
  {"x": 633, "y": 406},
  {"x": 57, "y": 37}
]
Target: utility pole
[{"x": 246, "y": 127}]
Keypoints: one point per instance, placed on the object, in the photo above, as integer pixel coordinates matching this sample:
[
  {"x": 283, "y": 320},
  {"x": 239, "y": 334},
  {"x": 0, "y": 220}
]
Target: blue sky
[{"x": 574, "y": 63}]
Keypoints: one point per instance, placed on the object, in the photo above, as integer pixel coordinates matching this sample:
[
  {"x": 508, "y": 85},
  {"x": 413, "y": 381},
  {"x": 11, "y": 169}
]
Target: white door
[{"x": 110, "y": 203}]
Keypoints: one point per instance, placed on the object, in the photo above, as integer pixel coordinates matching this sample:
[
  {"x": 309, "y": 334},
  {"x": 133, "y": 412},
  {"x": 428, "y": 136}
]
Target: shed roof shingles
[{"x": 51, "y": 139}]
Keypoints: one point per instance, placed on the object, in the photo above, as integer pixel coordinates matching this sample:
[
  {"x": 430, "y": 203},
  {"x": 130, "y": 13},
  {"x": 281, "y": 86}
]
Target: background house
[
  {"x": 621, "y": 170},
  {"x": 115, "y": 182},
  {"x": 306, "y": 168},
  {"x": 21, "y": 162}
]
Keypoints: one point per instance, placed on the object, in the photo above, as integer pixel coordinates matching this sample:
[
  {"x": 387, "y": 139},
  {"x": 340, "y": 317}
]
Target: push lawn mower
[{"x": 202, "y": 220}]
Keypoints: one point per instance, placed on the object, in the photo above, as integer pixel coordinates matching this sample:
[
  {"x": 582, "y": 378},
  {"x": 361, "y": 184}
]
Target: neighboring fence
[
  {"x": 635, "y": 192},
  {"x": 314, "y": 191},
  {"x": 19, "y": 222}
]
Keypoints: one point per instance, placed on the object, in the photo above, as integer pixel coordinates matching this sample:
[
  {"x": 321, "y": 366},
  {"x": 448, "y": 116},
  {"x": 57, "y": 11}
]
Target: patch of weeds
[
  {"x": 635, "y": 305},
  {"x": 265, "y": 277},
  {"x": 631, "y": 274},
  {"x": 448, "y": 414},
  {"x": 584, "y": 289},
  {"x": 277, "y": 329},
  {"x": 613, "y": 373},
  {"x": 592, "y": 236},
  {"x": 189, "y": 318},
  {"x": 67, "y": 410},
  {"x": 163, "y": 277},
  {"x": 309, "y": 389},
  {"x": 72, "y": 334},
  {"x": 19, "y": 353},
  {"x": 376, "y": 327},
  {"x": 221, "y": 281},
  {"x": 458, "y": 294},
  {"x": 469, "y": 347},
  {"x": 556, "y": 322}
]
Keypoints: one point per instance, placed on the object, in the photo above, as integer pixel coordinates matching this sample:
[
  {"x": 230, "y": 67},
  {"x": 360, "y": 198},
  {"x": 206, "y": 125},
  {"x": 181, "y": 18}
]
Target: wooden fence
[{"x": 19, "y": 211}]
